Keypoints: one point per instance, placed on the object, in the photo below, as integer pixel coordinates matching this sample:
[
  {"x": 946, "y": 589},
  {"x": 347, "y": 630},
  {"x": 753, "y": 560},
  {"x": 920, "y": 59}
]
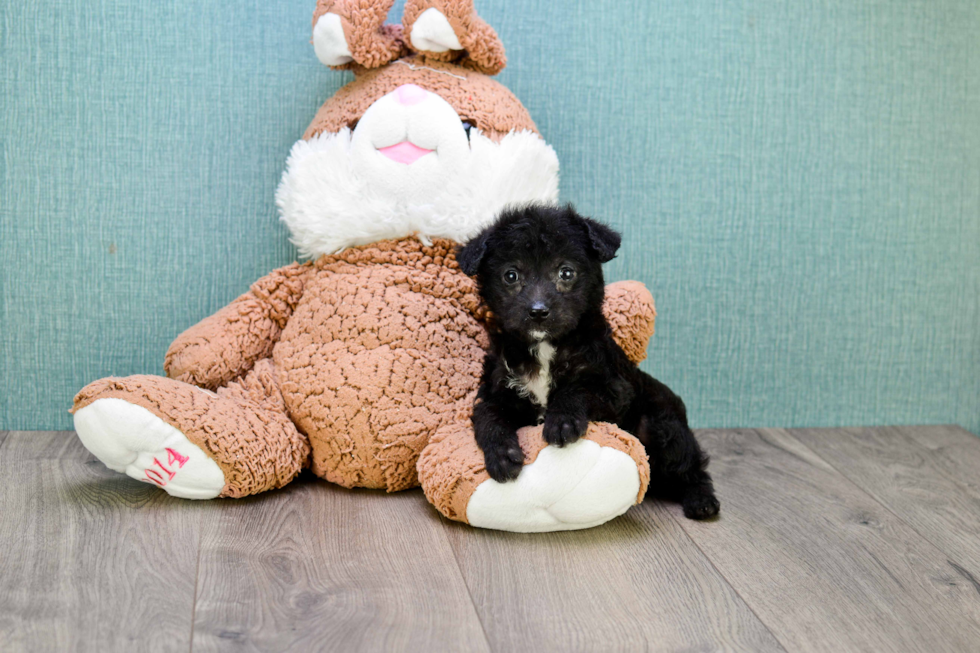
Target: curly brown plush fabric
[
  {"x": 451, "y": 467},
  {"x": 371, "y": 42},
  {"x": 227, "y": 344},
  {"x": 476, "y": 97},
  {"x": 631, "y": 314},
  {"x": 482, "y": 49},
  {"x": 385, "y": 342}
]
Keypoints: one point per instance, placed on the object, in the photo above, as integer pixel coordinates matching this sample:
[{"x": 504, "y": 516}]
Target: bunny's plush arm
[
  {"x": 631, "y": 314},
  {"x": 226, "y": 345}
]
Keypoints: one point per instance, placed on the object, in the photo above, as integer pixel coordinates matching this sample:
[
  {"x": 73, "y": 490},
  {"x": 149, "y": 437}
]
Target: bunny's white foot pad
[
  {"x": 130, "y": 439},
  {"x": 579, "y": 486}
]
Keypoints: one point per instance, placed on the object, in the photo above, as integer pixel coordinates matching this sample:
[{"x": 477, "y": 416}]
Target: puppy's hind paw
[
  {"x": 504, "y": 463},
  {"x": 700, "y": 505},
  {"x": 562, "y": 428}
]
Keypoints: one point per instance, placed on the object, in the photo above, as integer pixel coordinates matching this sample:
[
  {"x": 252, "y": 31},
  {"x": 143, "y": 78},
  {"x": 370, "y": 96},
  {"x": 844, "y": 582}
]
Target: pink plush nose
[{"x": 409, "y": 94}]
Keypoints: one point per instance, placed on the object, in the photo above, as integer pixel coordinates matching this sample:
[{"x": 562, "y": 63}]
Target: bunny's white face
[
  {"x": 409, "y": 166},
  {"x": 411, "y": 141}
]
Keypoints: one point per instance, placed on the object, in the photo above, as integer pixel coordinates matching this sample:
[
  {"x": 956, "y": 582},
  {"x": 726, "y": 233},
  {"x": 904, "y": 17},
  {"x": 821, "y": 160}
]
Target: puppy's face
[{"x": 539, "y": 269}]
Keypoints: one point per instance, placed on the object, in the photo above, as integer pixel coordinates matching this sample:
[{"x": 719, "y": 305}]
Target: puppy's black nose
[{"x": 538, "y": 311}]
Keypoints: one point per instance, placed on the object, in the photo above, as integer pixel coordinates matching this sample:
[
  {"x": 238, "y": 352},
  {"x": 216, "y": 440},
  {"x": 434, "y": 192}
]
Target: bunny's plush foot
[
  {"x": 192, "y": 442},
  {"x": 580, "y": 485},
  {"x": 130, "y": 439},
  {"x": 577, "y": 486}
]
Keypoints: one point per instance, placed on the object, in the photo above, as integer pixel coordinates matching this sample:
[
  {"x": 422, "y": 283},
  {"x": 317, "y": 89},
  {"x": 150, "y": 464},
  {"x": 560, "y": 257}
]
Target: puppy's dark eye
[
  {"x": 511, "y": 276},
  {"x": 467, "y": 126},
  {"x": 566, "y": 274}
]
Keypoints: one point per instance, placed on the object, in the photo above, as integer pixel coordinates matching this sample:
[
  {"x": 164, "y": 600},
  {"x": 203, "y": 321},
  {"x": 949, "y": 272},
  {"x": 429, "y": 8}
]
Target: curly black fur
[{"x": 553, "y": 358}]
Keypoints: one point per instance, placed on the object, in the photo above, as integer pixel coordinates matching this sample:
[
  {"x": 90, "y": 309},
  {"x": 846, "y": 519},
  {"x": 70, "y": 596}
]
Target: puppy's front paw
[
  {"x": 564, "y": 428},
  {"x": 504, "y": 462}
]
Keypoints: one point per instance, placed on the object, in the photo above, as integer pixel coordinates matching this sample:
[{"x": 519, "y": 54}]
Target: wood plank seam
[
  {"x": 612, "y": 566},
  {"x": 325, "y": 551},
  {"x": 882, "y": 502},
  {"x": 806, "y": 455},
  {"x": 734, "y": 589},
  {"x": 873, "y": 496},
  {"x": 197, "y": 573},
  {"x": 94, "y": 523},
  {"x": 466, "y": 583},
  {"x": 679, "y": 520},
  {"x": 952, "y": 478}
]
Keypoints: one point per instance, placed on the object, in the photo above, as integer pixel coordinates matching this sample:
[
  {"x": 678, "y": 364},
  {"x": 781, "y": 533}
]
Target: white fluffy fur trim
[{"x": 328, "y": 207}]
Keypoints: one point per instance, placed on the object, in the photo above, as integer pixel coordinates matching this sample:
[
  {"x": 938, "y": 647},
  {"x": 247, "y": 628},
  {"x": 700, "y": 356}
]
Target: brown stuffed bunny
[{"x": 352, "y": 363}]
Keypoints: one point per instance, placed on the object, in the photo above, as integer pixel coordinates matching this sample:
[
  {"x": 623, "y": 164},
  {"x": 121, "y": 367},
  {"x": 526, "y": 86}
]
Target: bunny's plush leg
[{"x": 192, "y": 442}]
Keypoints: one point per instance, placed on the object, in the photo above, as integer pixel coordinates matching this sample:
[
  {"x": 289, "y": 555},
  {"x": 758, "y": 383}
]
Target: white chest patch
[{"x": 536, "y": 387}]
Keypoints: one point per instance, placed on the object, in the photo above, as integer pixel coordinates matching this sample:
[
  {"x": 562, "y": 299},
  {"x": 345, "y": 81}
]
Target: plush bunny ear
[
  {"x": 470, "y": 255},
  {"x": 347, "y": 33},
  {"x": 451, "y": 30}
]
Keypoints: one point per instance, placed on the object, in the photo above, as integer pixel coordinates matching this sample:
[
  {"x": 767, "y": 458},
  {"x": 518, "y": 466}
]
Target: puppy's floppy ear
[
  {"x": 470, "y": 255},
  {"x": 604, "y": 241}
]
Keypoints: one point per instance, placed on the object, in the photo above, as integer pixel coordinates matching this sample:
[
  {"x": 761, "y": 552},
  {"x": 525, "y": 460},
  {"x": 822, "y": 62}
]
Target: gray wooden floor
[{"x": 829, "y": 540}]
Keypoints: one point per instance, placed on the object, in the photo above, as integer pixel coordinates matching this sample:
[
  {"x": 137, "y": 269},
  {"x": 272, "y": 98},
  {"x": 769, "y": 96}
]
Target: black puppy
[{"x": 553, "y": 358}]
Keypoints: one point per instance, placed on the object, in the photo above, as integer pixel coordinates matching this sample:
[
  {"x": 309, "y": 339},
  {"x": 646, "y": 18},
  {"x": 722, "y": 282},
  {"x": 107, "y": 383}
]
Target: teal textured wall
[{"x": 798, "y": 183}]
